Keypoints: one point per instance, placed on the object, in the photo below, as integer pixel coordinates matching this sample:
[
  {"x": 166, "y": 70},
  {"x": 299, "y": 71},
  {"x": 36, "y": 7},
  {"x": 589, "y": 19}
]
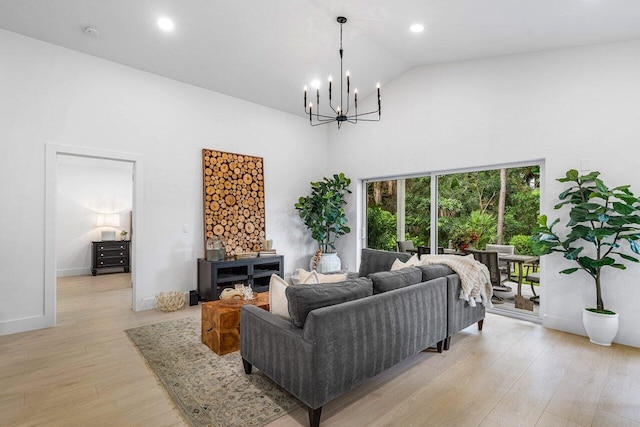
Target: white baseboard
[
  {"x": 68, "y": 272},
  {"x": 24, "y": 324}
]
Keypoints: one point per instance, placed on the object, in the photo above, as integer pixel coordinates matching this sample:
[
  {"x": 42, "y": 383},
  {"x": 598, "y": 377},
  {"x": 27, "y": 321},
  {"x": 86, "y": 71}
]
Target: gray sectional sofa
[{"x": 341, "y": 334}]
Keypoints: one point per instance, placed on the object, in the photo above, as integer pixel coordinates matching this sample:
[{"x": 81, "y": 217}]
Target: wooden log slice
[
  {"x": 254, "y": 186},
  {"x": 224, "y": 168},
  {"x": 240, "y": 159},
  {"x": 248, "y": 179},
  {"x": 249, "y": 227},
  {"x": 208, "y": 171},
  {"x": 209, "y": 234},
  {"x": 218, "y": 230},
  {"x": 234, "y": 230},
  {"x": 230, "y": 200},
  {"x": 215, "y": 206},
  {"x": 210, "y": 190}
]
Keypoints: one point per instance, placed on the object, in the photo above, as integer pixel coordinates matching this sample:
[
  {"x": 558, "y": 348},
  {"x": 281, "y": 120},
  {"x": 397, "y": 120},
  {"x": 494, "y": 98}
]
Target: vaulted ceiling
[{"x": 265, "y": 51}]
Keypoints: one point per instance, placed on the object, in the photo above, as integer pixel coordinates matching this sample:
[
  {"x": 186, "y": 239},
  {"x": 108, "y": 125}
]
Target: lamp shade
[{"x": 108, "y": 220}]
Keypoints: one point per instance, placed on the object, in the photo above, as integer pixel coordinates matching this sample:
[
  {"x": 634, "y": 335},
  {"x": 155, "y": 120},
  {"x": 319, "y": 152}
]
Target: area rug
[{"x": 207, "y": 389}]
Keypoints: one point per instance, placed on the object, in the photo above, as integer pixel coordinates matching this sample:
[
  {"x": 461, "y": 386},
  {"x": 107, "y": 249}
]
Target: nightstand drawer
[
  {"x": 112, "y": 253},
  {"x": 113, "y": 262},
  {"x": 108, "y": 246}
]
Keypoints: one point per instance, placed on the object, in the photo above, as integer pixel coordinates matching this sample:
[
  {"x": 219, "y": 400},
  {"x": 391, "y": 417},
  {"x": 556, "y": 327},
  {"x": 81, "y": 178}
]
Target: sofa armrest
[
  {"x": 460, "y": 314},
  {"x": 278, "y": 349}
]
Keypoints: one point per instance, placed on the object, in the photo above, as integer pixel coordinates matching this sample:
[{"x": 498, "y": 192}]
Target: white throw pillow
[
  {"x": 302, "y": 276},
  {"x": 278, "y": 303},
  {"x": 397, "y": 264},
  {"x": 331, "y": 278}
]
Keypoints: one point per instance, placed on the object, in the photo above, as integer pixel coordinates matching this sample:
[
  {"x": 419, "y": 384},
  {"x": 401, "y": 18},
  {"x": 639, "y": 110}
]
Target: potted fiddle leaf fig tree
[
  {"x": 600, "y": 219},
  {"x": 323, "y": 213}
]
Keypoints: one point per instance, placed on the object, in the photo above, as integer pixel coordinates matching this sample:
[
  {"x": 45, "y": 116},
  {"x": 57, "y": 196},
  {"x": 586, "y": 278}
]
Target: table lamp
[{"x": 108, "y": 221}]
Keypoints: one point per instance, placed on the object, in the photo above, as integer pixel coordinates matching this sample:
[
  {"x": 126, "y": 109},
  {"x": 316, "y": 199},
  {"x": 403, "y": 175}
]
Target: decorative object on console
[
  {"x": 342, "y": 109},
  {"x": 123, "y": 235},
  {"x": 600, "y": 216},
  {"x": 108, "y": 222},
  {"x": 216, "y": 249},
  {"x": 234, "y": 201},
  {"x": 323, "y": 213}
]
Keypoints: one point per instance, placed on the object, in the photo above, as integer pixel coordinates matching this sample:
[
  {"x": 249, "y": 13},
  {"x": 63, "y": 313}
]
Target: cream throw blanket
[{"x": 474, "y": 276}]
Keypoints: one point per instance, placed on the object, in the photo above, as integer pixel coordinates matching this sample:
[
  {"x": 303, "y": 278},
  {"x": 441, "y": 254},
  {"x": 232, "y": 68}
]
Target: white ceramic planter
[
  {"x": 328, "y": 263},
  {"x": 601, "y": 328}
]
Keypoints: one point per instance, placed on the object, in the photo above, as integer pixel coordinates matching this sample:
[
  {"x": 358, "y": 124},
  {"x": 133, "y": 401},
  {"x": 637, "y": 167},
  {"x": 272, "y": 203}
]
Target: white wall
[
  {"x": 51, "y": 94},
  {"x": 561, "y": 106},
  {"x": 87, "y": 187}
]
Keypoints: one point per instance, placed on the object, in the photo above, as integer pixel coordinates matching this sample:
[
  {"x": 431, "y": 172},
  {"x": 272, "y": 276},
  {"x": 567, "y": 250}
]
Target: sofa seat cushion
[
  {"x": 433, "y": 271},
  {"x": 305, "y": 298},
  {"x": 374, "y": 260},
  {"x": 384, "y": 281}
]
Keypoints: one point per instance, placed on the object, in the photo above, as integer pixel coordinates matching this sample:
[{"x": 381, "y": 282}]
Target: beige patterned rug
[{"x": 208, "y": 390}]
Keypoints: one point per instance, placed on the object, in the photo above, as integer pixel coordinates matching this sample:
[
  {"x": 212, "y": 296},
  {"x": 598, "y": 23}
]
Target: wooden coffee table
[{"x": 221, "y": 323}]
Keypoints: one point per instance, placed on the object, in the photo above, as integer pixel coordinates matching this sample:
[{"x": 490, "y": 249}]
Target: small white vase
[
  {"x": 601, "y": 328},
  {"x": 328, "y": 263}
]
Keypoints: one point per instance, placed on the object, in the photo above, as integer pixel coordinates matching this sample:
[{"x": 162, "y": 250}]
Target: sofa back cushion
[
  {"x": 305, "y": 298},
  {"x": 433, "y": 271},
  {"x": 374, "y": 260},
  {"x": 384, "y": 281}
]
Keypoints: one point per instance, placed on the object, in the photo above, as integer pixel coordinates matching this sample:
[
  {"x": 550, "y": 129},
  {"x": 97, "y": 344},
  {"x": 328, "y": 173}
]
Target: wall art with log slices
[{"x": 233, "y": 197}]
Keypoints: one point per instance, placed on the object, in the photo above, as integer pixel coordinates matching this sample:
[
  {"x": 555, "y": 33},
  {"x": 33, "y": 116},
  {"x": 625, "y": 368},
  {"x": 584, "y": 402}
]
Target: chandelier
[{"x": 341, "y": 110}]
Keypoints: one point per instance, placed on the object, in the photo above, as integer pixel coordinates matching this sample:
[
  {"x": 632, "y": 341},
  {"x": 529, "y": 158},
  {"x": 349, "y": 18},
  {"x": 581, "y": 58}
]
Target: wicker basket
[{"x": 170, "y": 301}]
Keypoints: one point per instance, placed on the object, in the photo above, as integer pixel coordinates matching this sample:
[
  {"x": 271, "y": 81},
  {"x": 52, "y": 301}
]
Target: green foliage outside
[
  {"x": 381, "y": 229},
  {"x": 522, "y": 244},
  {"x": 467, "y": 203}
]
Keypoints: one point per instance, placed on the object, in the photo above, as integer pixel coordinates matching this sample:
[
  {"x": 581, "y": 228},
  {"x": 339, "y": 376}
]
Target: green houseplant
[
  {"x": 600, "y": 219},
  {"x": 323, "y": 213}
]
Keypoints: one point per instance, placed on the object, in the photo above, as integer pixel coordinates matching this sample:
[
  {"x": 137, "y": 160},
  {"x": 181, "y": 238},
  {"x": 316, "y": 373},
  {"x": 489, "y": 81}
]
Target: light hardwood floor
[{"x": 85, "y": 371}]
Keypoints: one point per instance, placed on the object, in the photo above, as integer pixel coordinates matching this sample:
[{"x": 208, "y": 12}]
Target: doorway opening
[{"x": 57, "y": 157}]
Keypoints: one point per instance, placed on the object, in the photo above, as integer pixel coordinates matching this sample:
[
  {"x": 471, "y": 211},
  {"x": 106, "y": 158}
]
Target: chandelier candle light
[{"x": 342, "y": 114}]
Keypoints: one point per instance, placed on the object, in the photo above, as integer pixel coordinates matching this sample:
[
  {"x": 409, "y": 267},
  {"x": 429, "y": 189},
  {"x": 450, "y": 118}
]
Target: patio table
[{"x": 520, "y": 260}]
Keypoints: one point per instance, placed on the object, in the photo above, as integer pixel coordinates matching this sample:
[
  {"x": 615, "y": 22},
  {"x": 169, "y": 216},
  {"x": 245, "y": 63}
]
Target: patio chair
[
  {"x": 490, "y": 259},
  {"x": 406, "y": 246},
  {"x": 533, "y": 276},
  {"x": 422, "y": 250},
  {"x": 505, "y": 266}
]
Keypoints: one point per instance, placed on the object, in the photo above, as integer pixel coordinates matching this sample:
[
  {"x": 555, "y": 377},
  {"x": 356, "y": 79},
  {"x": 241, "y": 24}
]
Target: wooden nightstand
[{"x": 110, "y": 254}]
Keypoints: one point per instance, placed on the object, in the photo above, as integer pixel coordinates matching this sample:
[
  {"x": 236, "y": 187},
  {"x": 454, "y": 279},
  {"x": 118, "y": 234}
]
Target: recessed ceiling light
[
  {"x": 417, "y": 28},
  {"x": 165, "y": 24}
]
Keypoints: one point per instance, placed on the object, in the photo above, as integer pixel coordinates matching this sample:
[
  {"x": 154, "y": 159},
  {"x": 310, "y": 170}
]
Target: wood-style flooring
[{"x": 85, "y": 371}]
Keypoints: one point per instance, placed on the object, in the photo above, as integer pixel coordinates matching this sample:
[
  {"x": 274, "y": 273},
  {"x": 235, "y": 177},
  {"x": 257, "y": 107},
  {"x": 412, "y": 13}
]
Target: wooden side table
[{"x": 221, "y": 323}]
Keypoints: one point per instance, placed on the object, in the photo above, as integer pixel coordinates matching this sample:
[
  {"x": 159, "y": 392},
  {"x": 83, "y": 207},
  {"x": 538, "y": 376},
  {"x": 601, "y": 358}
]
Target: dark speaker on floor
[{"x": 193, "y": 297}]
